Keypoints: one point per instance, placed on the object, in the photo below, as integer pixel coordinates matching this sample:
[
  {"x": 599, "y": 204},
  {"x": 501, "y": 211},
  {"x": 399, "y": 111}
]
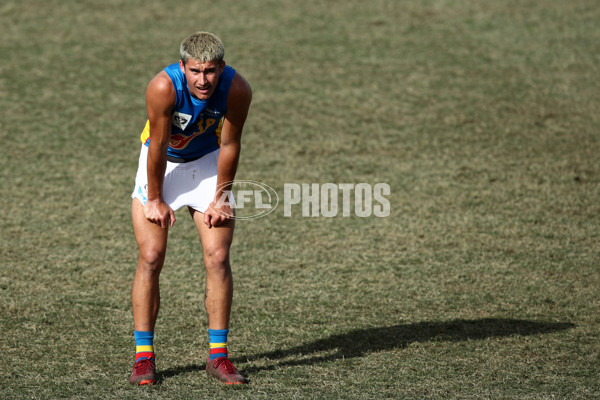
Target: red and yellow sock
[
  {"x": 218, "y": 343},
  {"x": 144, "y": 345}
]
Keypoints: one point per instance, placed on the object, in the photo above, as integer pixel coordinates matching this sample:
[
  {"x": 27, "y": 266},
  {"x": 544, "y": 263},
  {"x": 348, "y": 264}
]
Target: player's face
[{"x": 202, "y": 77}]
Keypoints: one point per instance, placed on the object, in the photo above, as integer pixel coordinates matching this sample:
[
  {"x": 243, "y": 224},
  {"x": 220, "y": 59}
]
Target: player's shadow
[{"x": 358, "y": 342}]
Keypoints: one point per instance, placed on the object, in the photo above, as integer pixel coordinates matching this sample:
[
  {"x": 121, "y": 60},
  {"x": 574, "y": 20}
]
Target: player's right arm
[{"x": 160, "y": 99}]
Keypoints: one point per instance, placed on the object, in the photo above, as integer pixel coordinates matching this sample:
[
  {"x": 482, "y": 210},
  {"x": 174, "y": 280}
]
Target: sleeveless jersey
[{"x": 195, "y": 124}]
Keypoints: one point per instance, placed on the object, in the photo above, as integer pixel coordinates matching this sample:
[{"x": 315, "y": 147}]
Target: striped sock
[
  {"x": 144, "y": 345},
  {"x": 217, "y": 339}
]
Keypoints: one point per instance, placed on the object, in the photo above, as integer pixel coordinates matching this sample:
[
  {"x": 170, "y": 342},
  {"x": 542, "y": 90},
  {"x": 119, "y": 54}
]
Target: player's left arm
[{"x": 238, "y": 104}]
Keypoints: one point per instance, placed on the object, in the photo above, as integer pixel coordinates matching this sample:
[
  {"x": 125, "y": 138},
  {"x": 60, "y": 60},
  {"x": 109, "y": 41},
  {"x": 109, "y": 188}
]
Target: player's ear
[
  {"x": 222, "y": 66},
  {"x": 182, "y": 65}
]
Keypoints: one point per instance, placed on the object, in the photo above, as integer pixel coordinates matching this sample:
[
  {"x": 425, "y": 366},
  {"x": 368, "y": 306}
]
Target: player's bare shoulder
[
  {"x": 160, "y": 92},
  {"x": 240, "y": 86},
  {"x": 239, "y": 98}
]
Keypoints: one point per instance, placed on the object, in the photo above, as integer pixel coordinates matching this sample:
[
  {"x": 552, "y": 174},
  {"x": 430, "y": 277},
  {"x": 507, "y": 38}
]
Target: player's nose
[{"x": 202, "y": 79}]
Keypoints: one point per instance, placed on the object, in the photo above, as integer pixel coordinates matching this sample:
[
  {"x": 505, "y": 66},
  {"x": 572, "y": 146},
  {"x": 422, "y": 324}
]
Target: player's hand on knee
[
  {"x": 158, "y": 212},
  {"x": 217, "y": 214}
]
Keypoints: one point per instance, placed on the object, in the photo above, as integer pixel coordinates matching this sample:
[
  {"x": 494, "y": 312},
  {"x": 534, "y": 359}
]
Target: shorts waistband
[{"x": 182, "y": 160}]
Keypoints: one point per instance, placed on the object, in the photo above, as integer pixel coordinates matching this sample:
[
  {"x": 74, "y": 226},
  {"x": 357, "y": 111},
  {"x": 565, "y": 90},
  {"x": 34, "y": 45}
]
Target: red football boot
[
  {"x": 222, "y": 369},
  {"x": 144, "y": 373}
]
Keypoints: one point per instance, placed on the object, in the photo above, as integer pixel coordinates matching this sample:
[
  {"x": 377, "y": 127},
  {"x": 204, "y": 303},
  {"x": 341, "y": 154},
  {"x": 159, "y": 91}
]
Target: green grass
[{"x": 481, "y": 116}]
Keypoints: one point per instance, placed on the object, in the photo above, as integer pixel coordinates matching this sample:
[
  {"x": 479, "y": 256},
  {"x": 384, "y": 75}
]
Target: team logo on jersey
[
  {"x": 181, "y": 120},
  {"x": 180, "y": 141}
]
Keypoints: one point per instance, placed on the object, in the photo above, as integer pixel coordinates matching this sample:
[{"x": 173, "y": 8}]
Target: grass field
[{"x": 482, "y": 116}]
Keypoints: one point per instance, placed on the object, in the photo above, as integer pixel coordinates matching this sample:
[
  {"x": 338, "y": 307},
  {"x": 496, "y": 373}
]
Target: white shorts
[{"x": 190, "y": 184}]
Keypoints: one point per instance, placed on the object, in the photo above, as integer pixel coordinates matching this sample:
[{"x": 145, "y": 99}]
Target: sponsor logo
[
  {"x": 211, "y": 113},
  {"x": 181, "y": 120}
]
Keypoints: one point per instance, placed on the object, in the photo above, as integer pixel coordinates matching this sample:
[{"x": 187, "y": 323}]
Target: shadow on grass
[{"x": 360, "y": 341}]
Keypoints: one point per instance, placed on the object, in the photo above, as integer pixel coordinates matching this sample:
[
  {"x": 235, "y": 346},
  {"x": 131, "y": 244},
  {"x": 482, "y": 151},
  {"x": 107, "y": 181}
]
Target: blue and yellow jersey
[{"x": 195, "y": 124}]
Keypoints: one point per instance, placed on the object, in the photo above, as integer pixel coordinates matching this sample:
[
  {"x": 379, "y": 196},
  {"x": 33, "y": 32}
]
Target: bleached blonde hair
[{"x": 202, "y": 46}]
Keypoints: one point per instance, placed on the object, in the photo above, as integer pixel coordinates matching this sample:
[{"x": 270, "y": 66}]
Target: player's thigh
[
  {"x": 150, "y": 237},
  {"x": 217, "y": 239}
]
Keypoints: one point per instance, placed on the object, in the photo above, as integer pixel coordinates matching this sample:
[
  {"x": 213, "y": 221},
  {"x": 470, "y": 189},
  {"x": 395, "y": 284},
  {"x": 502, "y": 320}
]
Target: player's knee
[
  {"x": 151, "y": 260},
  {"x": 217, "y": 258}
]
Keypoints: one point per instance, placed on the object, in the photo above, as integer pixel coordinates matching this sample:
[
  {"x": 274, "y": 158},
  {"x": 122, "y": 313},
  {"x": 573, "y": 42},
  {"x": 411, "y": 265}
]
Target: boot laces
[
  {"x": 227, "y": 365},
  {"x": 143, "y": 366}
]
